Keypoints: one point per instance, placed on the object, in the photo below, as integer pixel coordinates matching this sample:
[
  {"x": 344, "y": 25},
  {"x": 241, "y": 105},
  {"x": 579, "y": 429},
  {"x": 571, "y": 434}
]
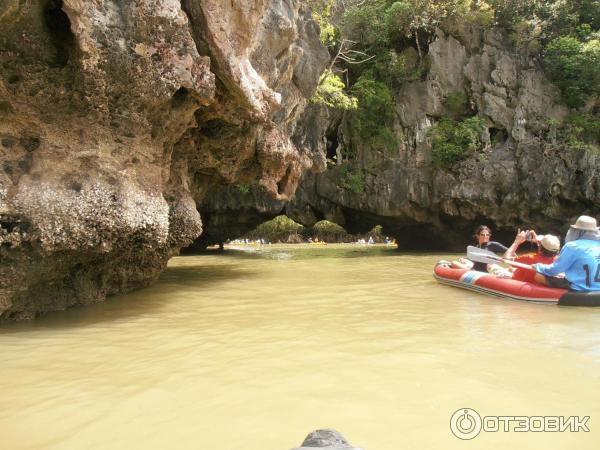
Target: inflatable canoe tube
[
  {"x": 571, "y": 298},
  {"x": 512, "y": 289}
]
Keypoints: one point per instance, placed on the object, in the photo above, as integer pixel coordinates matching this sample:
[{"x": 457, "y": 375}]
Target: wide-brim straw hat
[{"x": 585, "y": 223}]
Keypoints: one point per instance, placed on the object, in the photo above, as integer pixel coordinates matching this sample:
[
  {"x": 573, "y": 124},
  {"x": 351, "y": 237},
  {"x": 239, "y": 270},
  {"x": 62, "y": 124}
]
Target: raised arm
[{"x": 521, "y": 237}]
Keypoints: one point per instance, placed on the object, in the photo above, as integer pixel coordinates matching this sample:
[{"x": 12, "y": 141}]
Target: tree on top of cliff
[
  {"x": 575, "y": 67},
  {"x": 565, "y": 35},
  {"x": 331, "y": 90},
  {"x": 322, "y": 11},
  {"x": 381, "y": 25},
  {"x": 392, "y": 38}
]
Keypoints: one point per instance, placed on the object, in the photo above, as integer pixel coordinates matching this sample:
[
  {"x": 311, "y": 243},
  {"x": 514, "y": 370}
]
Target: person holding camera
[{"x": 548, "y": 248}]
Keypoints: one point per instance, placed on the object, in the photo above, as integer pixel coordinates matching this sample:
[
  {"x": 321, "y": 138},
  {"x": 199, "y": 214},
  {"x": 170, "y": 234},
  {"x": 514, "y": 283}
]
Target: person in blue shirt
[{"x": 579, "y": 259}]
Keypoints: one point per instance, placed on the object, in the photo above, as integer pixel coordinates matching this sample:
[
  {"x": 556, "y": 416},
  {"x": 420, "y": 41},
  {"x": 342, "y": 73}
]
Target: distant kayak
[{"x": 511, "y": 289}]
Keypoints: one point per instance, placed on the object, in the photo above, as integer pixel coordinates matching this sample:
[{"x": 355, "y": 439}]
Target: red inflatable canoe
[{"x": 511, "y": 289}]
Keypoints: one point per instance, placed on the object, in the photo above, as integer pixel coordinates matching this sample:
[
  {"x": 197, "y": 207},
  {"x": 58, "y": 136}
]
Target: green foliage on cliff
[
  {"x": 330, "y": 93},
  {"x": 575, "y": 67},
  {"x": 389, "y": 39},
  {"x": 381, "y": 44},
  {"x": 321, "y": 11},
  {"x": 581, "y": 131},
  {"x": 385, "y": 29},
  {"x": 457, "y": 104},
  {"x": 351, "y": 178},
  {"x": 243, "y": 188},
  {"x": 378, "y": 27},
  {"x": 394, "y": 68},
  {"x": 566, "y": 34},
  {"x": 374, "y": 117},
  {"x": 382, "y": 24},
  {"x": 453, "y": 141},
  {"x": 554, "y": 18}
]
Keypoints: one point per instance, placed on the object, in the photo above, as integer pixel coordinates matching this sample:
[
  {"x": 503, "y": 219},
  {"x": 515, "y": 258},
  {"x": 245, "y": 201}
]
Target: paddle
[{"x": 477, "y": 254}]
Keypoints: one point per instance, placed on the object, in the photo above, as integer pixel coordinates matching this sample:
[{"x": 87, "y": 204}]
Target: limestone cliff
[
  {"x": 118, "y": 117},
  {"x": 523, "y": 176}
]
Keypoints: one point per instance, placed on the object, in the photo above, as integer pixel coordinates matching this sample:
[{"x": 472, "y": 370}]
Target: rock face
[
  {"x": 520, "y": 178},
  {"x": 118, "y": 117},
  {"x": 231, "y": 211},
  {"x": 124, "y": 123}
]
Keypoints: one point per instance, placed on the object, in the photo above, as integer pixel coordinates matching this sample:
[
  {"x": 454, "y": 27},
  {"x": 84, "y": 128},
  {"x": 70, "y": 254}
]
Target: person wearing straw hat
[
  {"x": 547, "y": 251},
  {"x": 579, "y": 259},
  {"x": 585, "y": 228}
]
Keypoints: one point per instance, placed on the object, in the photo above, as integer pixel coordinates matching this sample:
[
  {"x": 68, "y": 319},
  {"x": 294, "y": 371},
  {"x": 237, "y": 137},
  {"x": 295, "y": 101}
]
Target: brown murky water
[{"x": 253, "y": 349}]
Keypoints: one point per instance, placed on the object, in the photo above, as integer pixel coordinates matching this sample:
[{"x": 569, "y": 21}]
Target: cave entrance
[
  {"x": 332, "y": 146},
  {"x": 59, "y": 26},
  {"x": 179, "y": 97},
  {"x": 215, "y": 128},
  {"x": 283, "y": 183},
  {"x": 497, "y": 136}
]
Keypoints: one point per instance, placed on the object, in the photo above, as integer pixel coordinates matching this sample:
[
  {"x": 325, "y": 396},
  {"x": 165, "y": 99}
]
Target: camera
[{"x": 529, "y": 235}]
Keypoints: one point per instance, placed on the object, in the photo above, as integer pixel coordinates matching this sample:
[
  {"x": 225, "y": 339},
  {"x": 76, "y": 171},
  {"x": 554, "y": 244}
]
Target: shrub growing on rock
[
  {"x": 330, "y": 93},
  {"x": 575, "y": 67},
  {"x": 457, "y": 104},
  {"x": 373, "y": 119},
  {"x": 581, "y": 131},
  {"x": 453, "y": 141},
  {"x": 327, "y": 231},
  {"x": 321, "y": 11},
  {"x": 351, "y": 178},
  {"x": 278, "y": 229}
]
